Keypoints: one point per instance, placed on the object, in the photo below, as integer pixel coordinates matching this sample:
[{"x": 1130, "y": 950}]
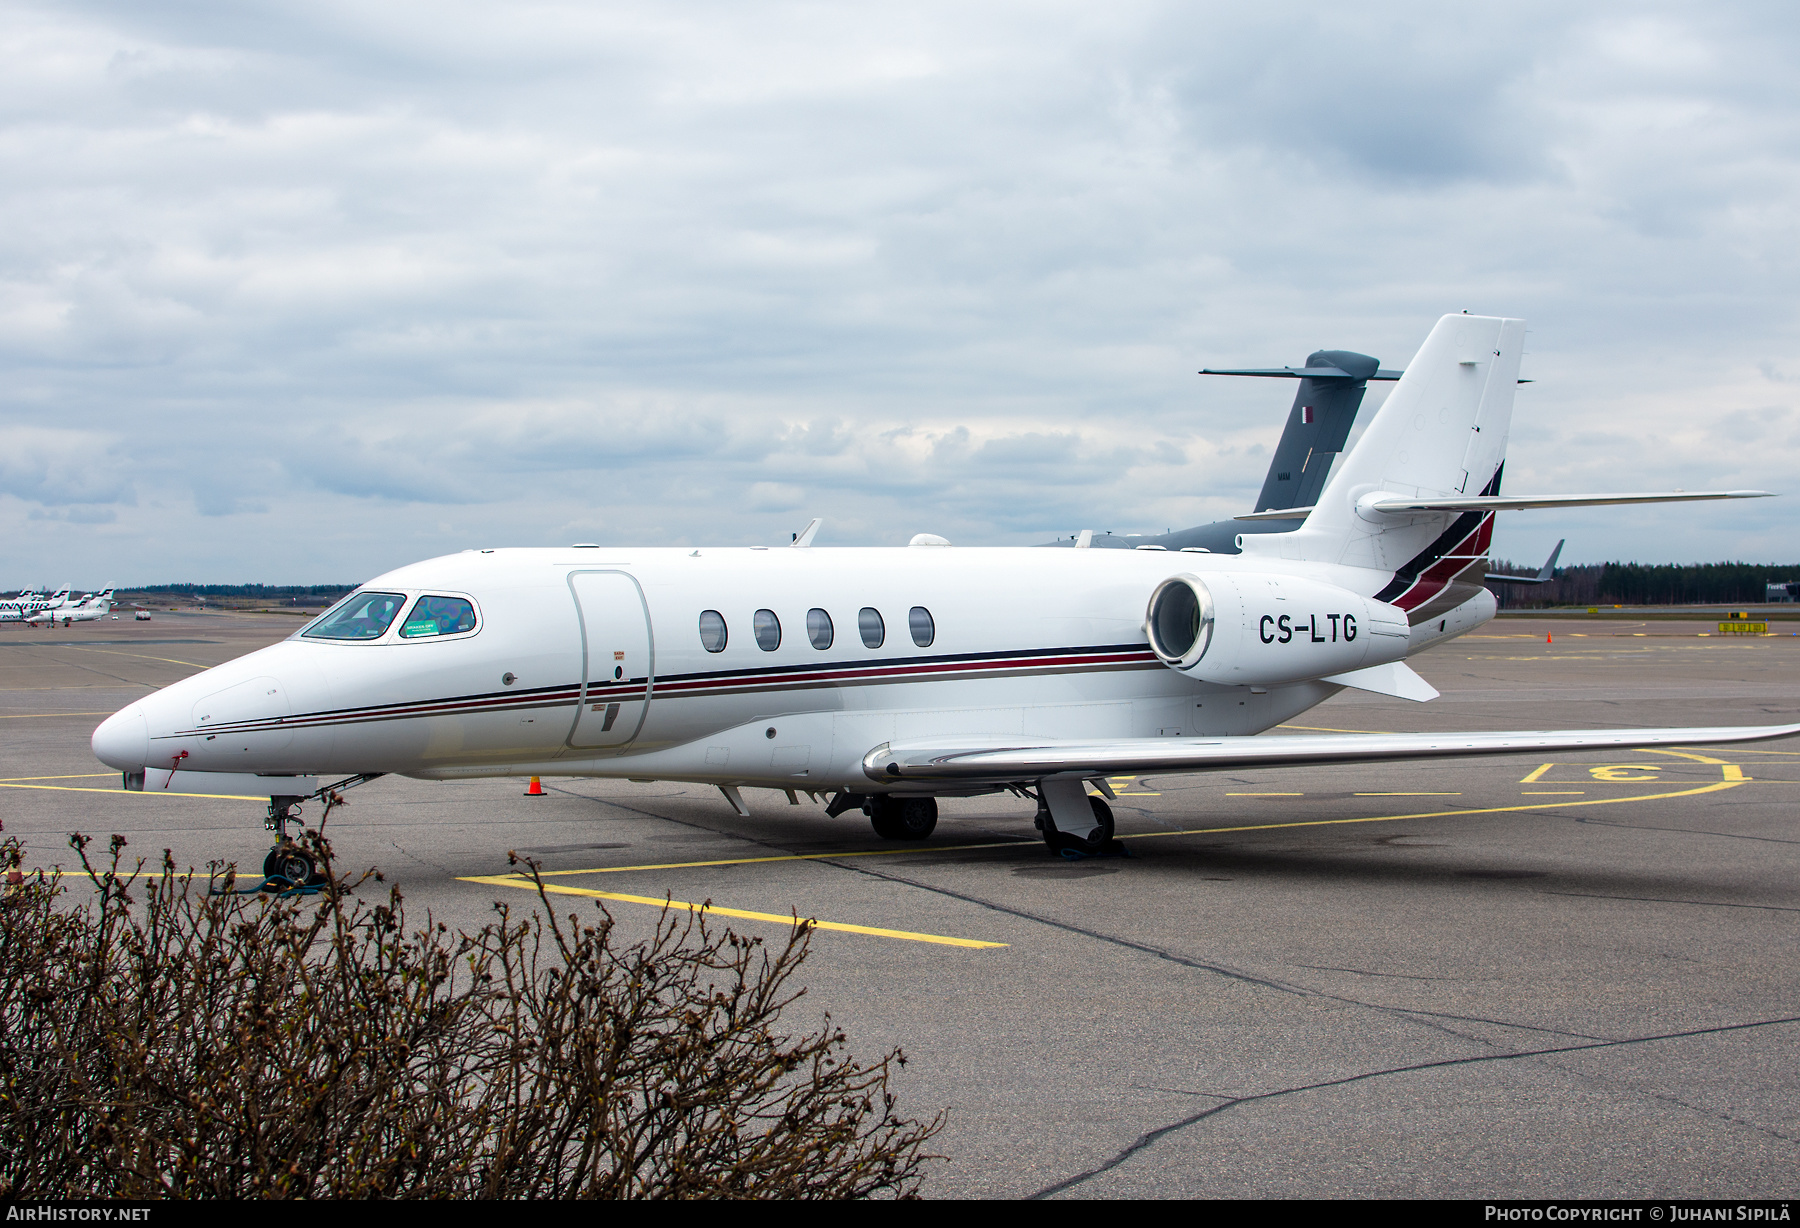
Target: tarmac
[{"x": 1493, "y": 978}]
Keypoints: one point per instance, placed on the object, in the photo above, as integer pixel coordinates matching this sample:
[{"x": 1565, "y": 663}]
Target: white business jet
[{"x": 887, "y": 678}]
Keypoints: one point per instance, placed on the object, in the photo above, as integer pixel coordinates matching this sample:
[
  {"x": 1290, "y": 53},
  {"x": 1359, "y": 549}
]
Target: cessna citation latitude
[{"x": 890, "y": 677}]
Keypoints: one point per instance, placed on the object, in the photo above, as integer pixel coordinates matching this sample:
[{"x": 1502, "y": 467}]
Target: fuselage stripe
[{"x": 727, "y": 682}]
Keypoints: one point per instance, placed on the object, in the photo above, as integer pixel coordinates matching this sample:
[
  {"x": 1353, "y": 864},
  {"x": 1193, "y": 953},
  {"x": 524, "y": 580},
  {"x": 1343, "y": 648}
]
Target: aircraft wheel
[
  {"x": 1095, "y": 842},
  {"x": 903, "y": 818},
  {"x": 291, "y": 862}
]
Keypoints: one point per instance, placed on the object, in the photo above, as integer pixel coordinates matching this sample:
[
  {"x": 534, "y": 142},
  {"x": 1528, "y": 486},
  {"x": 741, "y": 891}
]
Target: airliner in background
[
  {"x": 90, "y": 608},
  {"x": 21, "y": 606},
  {"x": 886, "y": 678}
]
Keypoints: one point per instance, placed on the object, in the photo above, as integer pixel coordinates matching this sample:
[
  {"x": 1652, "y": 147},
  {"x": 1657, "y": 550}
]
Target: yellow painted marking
[
  {"x": 77, "y": 776},
  {"x": 1265, "y": 795},
  {"x": 1322, "y": 729},
  {"x": 1408, "y": 795},
  {"x": 38, "y": 716},
  {"x": 1118, "y": 784},
  {"x": 1747, "y": 751},
  {"x": 1620, "y": 771},
  {"x": 509, "y": 880},
  {"x": 1537, "y": 775},
  {"x": 1680, "y": 754},
  {"x": 1551, "y": 792},
  {"x": 231, "y": 797}
]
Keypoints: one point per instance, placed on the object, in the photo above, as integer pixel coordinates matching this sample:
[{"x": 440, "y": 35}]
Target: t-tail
[
  {"x": 1417, "y": 495},
  {"x": 1441, "y": 433}
]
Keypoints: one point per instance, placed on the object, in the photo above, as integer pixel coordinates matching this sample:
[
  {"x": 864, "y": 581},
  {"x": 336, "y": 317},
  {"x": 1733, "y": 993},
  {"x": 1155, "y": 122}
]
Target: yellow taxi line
[
  {"x": 230, "y": 797},
  {"x": 1442, "y": 814},
  {"x": 714, "y": 910},
  {"x": 1728, "y": 783},
  {"x": 752, "y": 861},
  {"x": 113, "y": 652},
  {"x": 73, "y": 776}
]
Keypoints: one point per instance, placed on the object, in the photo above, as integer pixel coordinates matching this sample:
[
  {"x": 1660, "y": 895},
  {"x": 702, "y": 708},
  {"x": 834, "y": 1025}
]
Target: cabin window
[
  {"x": 712, "y": 631},
  {"x": 918, "y": 621},
  {"x": 438, "y": 616},
  {"x": 364, "y": 616},
  {"x": 767, "y": 630},
  {"x": 818, "y": 629},
  {"x": 874, "y": 631}
]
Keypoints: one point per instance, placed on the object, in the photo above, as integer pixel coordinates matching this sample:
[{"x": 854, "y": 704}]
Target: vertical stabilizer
[{"x": 1442, "y": 432}]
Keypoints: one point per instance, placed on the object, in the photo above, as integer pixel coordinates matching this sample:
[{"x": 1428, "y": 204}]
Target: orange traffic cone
[
  {"x": 536, "y": 790},
  {"x": 1548, "y": 638}
]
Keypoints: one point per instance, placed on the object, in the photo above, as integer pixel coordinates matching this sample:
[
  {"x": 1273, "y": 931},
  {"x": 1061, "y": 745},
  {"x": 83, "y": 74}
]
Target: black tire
[
  {"x": 292, "y": 863},
  {"x": 903, "y": 818}
]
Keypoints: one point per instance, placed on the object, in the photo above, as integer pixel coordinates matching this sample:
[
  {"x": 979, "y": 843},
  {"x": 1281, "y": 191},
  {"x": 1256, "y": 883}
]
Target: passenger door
[{"x": 618, "y": 662}]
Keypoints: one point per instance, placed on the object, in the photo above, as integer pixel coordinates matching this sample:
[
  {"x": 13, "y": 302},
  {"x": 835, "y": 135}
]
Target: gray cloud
[{"x": 415, "y": 278}]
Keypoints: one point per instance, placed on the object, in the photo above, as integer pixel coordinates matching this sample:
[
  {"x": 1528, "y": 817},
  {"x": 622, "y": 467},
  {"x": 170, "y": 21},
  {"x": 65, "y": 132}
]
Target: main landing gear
[
  {"x": 902, "y": 818},
  {"x": 1074, "y": 824}
]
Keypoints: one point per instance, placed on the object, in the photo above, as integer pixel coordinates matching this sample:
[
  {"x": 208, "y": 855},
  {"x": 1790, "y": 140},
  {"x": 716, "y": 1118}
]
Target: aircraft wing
[{"x": 963, "y": 760}]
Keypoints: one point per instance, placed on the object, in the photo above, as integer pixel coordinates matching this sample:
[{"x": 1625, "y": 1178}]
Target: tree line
[
  {"x": 1643, "y": 584},
  {"x": 246, "y": 590}
]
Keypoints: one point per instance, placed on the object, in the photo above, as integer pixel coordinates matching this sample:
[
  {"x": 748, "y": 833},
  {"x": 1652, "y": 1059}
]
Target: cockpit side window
[
  {"x": 362, "y": 616},
  {"x": 438, "y": 616}
]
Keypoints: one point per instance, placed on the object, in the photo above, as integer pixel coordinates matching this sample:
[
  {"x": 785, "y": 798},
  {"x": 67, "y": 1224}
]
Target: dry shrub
[{"x": 158, "y": 1041}]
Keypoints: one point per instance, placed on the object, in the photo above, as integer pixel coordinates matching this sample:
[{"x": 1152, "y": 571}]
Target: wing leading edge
[{"x": 962, "y": 761}]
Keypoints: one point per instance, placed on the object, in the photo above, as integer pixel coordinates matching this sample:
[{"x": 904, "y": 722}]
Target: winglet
[{"x": 805, "y": 536}]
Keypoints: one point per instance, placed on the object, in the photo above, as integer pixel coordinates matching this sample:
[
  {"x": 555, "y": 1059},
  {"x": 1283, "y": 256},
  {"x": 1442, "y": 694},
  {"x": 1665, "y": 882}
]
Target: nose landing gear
[{"x": 289, "y": 859}]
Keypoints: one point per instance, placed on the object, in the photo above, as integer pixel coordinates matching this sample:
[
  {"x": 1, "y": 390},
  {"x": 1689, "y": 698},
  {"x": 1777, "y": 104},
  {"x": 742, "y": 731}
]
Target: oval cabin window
[
  {"x": 767, "y": 630},
  {"x": 818, "y": 629},
  {"x": 712, "y": 631},
  {"x": 874, "y": 631},
  {"x": 918, "y": 621}
]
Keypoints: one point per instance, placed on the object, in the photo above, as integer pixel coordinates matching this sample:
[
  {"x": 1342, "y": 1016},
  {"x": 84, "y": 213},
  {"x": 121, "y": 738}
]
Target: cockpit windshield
[{"x": 364, "y": 616}]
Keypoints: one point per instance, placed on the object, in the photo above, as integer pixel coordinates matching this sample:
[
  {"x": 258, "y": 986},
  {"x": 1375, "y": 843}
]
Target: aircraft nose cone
[{"x": 123, "y": 740}]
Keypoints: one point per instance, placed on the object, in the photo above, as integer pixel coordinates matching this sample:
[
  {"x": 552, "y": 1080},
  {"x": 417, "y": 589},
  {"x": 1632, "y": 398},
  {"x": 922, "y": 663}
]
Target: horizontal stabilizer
[
  {"x": 1306, "y": 373},
  {"x": 1396, "y": 678},
  {"x": 1522, "y": 503},
  {"x": 1280, "y": 513},
  {"x": 1545, "y": 574},
  {"x": 958, "y": 759}
]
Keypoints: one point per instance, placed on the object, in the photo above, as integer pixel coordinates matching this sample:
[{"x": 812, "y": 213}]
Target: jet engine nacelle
[{"x": 1256, "y": 629}]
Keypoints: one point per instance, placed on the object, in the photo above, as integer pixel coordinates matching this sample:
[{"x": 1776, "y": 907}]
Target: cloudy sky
[{"x": 299, "y": 292}]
